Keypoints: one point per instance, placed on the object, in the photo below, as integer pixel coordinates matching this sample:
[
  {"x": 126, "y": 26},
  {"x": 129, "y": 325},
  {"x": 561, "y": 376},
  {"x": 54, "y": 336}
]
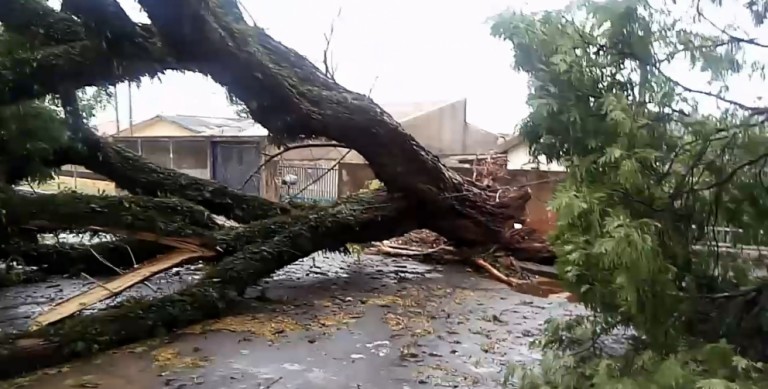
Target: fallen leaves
[{"x": 169, "y": 358}]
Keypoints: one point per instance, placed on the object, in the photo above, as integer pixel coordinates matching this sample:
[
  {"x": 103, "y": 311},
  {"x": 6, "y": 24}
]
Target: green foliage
[
  {"x": 564, "y": 365},
  {"x": 651, "y": 177},
  {"x": 31, "y": 131}
]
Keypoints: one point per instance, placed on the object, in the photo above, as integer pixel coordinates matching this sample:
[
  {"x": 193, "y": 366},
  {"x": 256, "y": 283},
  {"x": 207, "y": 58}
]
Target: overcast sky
[
  {"x": 421, "y": 50},
  {"x": 413, "y": 50}
]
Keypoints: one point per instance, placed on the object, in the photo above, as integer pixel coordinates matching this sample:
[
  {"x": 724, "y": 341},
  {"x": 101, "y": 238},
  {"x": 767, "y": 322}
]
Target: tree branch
[
  {"x": 293, "y": 99},
  {"x": 25, "y": 17},
  {"x": 372, "y": 216},
  {"x": 31, "y": 76},
  {"x": 330, "y": 68},
  {"x": 124, "y": 51},
  {"x": 731, "y": 37},
  {"x": 285, "y": 150},
  {"x": 130, "y": 172},
  {"x": 72, "y": 259},
  {"x": 74, "y": 211}
]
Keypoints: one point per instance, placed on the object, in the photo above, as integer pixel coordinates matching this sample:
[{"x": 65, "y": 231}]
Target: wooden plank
[{"x": 103, "y": 291}]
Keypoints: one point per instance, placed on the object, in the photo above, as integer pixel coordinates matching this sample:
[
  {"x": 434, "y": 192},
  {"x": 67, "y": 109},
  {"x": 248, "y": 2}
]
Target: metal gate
[
  {"x": 234, "y": 162},
  {"x": 307, "y": 183}
]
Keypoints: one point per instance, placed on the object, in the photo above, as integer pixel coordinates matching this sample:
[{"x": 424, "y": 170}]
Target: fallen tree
[
  {"x": 94, "y": 43},
  {"x": 255, "y": 252}
]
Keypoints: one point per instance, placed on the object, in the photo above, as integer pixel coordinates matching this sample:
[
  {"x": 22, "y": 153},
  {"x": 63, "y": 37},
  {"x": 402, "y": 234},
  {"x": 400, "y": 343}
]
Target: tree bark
[
  {"x": 372, "y": 216},
  {"x": 74, "y": 58},
  {"x": 287, "y": 94},
  {"x": 35, "y": 16},
  {"x": 139, "y": 177},
  {"x": 293, "y": 99},
  {"x": 74, "y": 211},
  {"x": 284, "y": 92},
  {"x": 73, "y": 258}
]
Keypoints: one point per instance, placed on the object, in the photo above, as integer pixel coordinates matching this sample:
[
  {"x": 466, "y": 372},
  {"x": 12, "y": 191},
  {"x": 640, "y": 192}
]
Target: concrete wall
[
  {"x": 519, "y": 158},
  {"x": 440, "y": 130},
  {"x": 270, "y": 185},
  {"x": 477, "y": 140},
  {"x": 353, "y": 176}
]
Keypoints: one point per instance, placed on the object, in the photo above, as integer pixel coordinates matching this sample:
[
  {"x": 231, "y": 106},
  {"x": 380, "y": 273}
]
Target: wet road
[{"x": 337, "y": 322}]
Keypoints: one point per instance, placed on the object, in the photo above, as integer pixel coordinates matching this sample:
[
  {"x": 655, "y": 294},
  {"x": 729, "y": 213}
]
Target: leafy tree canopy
[{"x": 655, "y": 175}]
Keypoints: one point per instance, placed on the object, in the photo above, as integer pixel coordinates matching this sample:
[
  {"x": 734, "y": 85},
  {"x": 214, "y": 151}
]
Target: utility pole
[
  {"x": 130, "y": 109},
  {"x": 117, "y": 110}
]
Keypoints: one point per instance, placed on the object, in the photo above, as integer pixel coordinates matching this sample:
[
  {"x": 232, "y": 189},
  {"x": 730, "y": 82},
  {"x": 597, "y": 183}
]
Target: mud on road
[{"x": 332, "y": 321}]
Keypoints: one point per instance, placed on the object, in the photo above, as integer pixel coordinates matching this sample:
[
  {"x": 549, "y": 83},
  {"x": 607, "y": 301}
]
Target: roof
[
  {"x": 230, "y": 126},
  {"x": 200, "y": 126},
  {"x": 510, "y": 143},
  {"x": 106, "y": 128},
  {"x": 213, "y": 126}
]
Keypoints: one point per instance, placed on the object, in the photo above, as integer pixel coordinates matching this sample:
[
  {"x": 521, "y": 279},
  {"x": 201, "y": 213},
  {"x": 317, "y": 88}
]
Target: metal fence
[
  {"x": 308, "y": 183},
  {"x": 734, "y": 240}
]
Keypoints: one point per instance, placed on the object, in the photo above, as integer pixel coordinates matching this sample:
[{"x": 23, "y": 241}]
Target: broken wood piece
[
  {"x": 495, "y": 274},
  {"x": 191, "y": 244},
  {"x": 391, "y": 249},
  {"x": 114, "y": 287}
]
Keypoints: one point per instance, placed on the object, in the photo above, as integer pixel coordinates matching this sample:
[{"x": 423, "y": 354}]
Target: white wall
[{"x": 518, "y": 158}]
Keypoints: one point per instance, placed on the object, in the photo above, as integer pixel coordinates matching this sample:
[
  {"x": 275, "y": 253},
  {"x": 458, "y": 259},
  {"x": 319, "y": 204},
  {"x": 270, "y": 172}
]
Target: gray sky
[
  {"x": 415, "y": 50},
  {"x": 420, "y": 51}
]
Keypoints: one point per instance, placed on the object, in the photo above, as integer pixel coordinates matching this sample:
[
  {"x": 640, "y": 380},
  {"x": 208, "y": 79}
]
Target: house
[
  {"x": 229, "y": 150},
  {"x": 226, "y": 150},
  {"x": 441, "y": 126},
  {"x": 519, "y": 156}
]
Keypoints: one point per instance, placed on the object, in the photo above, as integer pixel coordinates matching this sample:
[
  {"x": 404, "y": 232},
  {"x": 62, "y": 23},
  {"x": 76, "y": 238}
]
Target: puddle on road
[{"x": 342, "y": 322}]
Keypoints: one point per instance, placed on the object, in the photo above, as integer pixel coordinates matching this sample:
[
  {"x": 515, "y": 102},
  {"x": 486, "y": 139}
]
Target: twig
[
  {"x": 97, "y": 282},
  {"x": 496, "y": 274},
  {"x": 736, "y": 39},
  {"x": 271, "y": 384},
  {"x": 330, "y": 68},
  {"x": 104, "y": 261},
  {"x": 130, "y": 252},
  {"x": 373, "y": 85},
  {"x": 29, "y": 184},
  {"x": 287, "y": 149},
  {"x": 338, "y": 161},
  {"x": 408, "y": 251},
  {"x": 728, "y": 177}
]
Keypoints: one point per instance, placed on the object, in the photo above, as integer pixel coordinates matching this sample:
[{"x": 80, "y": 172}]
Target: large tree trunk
[
  {"x": 293, "y": 99},
  {"x": 268, "y": 248},
  {"x": 282, "y": 90}
]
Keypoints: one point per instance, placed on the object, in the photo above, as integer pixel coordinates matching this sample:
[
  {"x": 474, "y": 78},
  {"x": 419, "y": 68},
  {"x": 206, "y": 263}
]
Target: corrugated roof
[
  {"x": 216, "y": 126},
  {"x": 221, "y": 126}
]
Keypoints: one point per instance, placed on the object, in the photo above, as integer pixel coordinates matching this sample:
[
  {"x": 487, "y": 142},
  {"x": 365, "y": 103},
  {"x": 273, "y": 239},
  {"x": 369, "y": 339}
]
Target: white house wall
[{"x": 519, "y": 158}]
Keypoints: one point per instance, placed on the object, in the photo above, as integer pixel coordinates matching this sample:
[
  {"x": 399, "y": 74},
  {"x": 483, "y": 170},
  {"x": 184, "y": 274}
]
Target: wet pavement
[{"x": 334, "y": 322}]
